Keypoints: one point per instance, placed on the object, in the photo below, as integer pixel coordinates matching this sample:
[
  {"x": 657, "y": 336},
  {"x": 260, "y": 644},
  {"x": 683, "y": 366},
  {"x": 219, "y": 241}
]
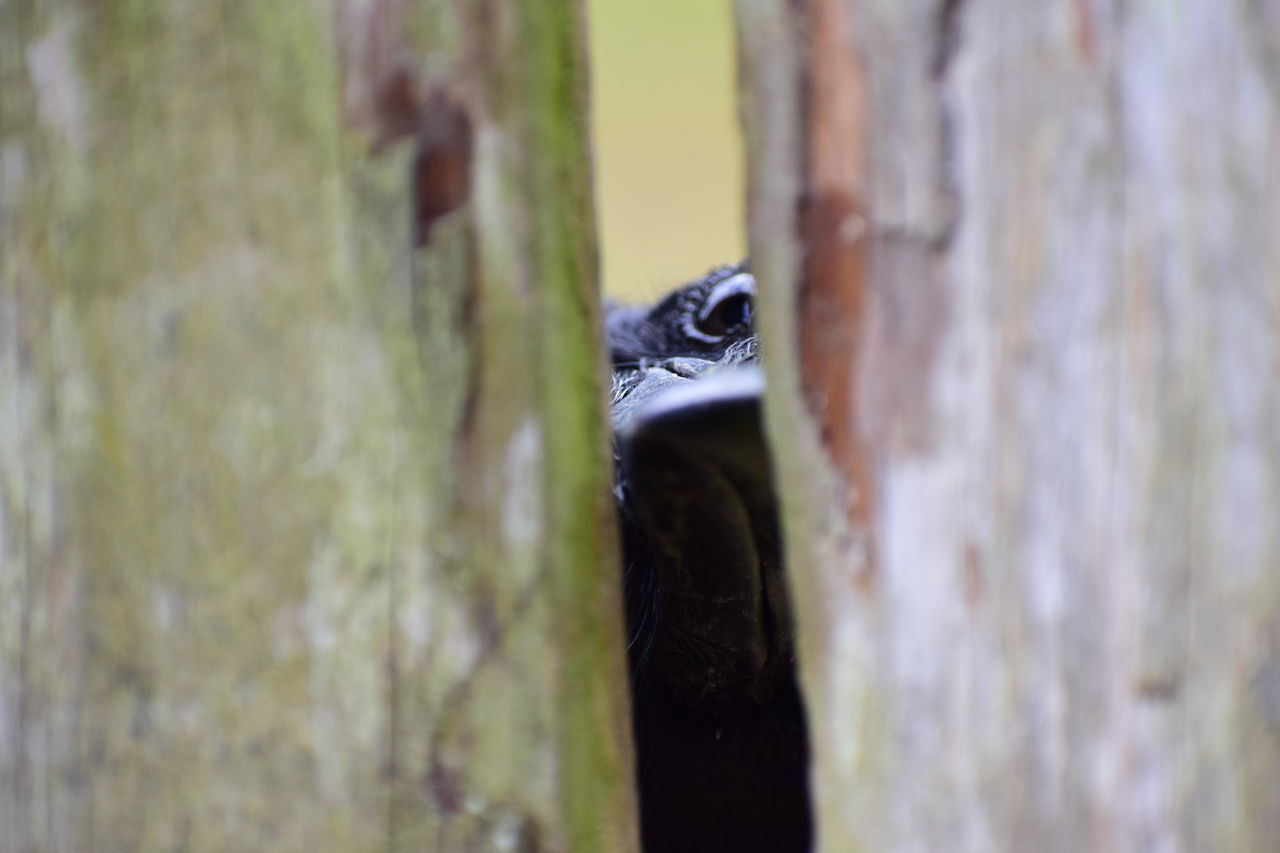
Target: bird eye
[
  {"x": 727, "y": 314},
  {"x": 729, "y": 307}
]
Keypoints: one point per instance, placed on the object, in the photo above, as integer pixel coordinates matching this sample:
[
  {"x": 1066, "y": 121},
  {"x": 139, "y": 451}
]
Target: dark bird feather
[{"x": 721, "y": 745}]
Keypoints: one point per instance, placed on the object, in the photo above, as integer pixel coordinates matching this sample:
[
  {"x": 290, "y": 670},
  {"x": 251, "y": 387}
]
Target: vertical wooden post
[
  {"x": 1055, "y": 626},
  {"x": 305, "y": 532}
]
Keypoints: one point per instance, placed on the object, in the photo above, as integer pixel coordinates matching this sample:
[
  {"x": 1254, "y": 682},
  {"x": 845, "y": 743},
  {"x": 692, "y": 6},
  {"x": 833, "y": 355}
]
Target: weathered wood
[
  {"x": 1059, "y": 626},
  {"x": 305, "y": 534}
]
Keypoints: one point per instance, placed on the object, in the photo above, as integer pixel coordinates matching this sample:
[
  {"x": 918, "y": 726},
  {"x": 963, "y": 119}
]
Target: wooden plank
[
  {"x": 1057, "y": 630},
  {"x": 305, "y": 533}
]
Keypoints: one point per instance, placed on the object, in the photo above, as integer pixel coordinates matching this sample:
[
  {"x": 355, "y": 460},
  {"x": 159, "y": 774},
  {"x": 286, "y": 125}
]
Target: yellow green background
[{"x": 669, "y": 180}]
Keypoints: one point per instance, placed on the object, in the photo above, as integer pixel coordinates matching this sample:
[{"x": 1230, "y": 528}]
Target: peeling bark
[{"x": 1063, "y": 379}]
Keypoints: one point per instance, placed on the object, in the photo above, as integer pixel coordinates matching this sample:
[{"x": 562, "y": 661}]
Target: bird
[{"x": 722, "y": 751}]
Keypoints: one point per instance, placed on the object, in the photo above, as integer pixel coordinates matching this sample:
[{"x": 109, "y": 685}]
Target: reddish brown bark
[{"x": 833, "y": 222}]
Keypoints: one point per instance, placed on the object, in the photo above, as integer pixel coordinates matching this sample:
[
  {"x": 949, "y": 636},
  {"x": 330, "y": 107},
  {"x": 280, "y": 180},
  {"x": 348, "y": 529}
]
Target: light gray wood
[{"x": 1058, "y": 626}]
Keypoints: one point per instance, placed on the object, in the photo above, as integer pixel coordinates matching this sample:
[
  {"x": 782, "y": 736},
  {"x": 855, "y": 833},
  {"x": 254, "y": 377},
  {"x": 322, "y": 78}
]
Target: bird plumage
[{"x": 722, "y": 751}]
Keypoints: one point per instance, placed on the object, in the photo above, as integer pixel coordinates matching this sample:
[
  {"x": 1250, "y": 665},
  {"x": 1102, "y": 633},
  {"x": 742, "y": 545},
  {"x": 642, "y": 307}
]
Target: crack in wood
[{"x": 946, "y": 45}]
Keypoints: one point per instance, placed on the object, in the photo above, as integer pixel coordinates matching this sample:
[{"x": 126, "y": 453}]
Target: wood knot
[{"x": 441, "y": 180}]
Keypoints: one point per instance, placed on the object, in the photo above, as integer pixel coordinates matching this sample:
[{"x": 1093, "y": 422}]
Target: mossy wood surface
[
  {"x": 1033, "y": 488},
  {"x": 305, "y": 528}
]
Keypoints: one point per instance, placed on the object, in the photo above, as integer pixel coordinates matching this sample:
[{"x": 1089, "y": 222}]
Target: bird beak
[{"x": 699, "y": 483}]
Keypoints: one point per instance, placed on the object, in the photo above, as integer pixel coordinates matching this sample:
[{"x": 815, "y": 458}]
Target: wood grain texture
[
  {"x": 1067, "y": 384},
  {"x": 306, "y": 540}
]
